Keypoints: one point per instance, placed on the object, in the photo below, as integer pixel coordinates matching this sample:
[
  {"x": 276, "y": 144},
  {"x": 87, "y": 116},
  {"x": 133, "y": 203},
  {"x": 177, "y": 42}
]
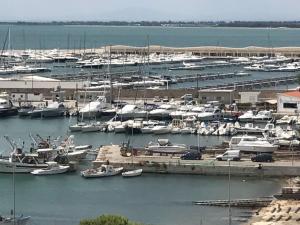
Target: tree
[{"x": 108, "y": 220}]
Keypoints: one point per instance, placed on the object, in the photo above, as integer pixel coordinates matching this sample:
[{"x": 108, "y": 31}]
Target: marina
[{"x": 180, "y": 123}]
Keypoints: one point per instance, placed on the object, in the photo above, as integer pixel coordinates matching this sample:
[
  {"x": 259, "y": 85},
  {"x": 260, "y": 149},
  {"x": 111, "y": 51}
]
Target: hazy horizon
[{"x": 146, "y": 10}]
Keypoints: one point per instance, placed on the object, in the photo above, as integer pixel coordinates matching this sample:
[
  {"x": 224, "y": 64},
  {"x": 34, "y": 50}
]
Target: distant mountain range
[{"x": 253, "y": 24}]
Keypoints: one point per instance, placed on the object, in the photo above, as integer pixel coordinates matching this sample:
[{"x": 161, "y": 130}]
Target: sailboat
[{"x": 13, "y": 219}]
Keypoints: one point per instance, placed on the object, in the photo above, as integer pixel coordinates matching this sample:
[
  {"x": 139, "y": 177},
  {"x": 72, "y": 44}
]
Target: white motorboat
[
  {"x": 175, "y": 130},
  {"x": 94, "y": 109},
  {"x": 160, "y": 129},
  {"x": 53, "y": 168},
  {"x": 163, "y": 111},
  {"x": 210, "y": 114},
  {"x": 187, "y": 130},
  {"x": 103, "y": 171},
  {"x": 165, "y": 146},
  {"x": 18, "y": 220},
  {"x": 286, "y": 120},
  {"x": 147, "y": 129},
  {"x": 246, "y": 117},
  {"x": 132, "y": 173},
  {"x": 120, "y": 128},
  {"x": 131, "y": 111},
  {"x": 249, "y": 128},
  {"x": 262, "y": 116},
  {"x": 251, "y": 144}
]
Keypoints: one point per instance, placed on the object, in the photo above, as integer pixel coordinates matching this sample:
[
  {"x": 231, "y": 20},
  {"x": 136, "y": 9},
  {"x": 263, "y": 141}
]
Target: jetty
[
  {"x": 242, "y": 203},
  {"x": 207, "y": 166}
]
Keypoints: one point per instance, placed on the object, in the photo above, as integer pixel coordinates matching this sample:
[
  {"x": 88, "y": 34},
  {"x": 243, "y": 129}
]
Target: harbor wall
[{"x": 211, "y": 169}]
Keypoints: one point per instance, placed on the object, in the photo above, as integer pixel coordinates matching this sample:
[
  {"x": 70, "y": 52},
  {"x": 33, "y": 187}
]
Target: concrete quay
[{"x": 207, "y": 166}]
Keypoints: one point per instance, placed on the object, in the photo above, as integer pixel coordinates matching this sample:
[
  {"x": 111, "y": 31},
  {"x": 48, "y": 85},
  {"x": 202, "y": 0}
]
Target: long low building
[{"x": 209, "y": 51}]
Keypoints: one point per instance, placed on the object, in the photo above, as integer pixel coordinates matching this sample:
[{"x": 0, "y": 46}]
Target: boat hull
[
  {"x": 86, "y": 174},
  {"x": 60, "y": 170},
  {"x": 133, "y": 173},
  {"x": 8, "y": 167},
  {"x": 8, "y": 112},
  {"x": 21, "y": 220}
]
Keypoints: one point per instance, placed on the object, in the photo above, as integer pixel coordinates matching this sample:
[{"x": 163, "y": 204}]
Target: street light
[{"x": 229, "y": 191}]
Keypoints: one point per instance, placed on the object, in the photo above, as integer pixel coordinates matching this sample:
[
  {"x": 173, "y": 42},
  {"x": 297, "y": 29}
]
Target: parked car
[
  {"x": 191, "y": 156},
  {"x": 233, "y": 155},
  {"x": 262, "y": 157}
]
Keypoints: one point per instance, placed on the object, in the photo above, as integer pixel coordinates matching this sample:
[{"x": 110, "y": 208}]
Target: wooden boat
[
  {"x": 103, "y": 171},
  {"x": 132, "y": 173}
]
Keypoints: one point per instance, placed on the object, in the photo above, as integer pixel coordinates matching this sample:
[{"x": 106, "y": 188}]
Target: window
[
  {"x": 219, "y": 98},
  {"x": 290, "y": 105},
  {"x": 203, "y": 98}
]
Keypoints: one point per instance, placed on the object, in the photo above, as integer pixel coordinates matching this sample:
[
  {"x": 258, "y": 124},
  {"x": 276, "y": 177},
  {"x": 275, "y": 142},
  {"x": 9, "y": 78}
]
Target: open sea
[
  {"x": 79, "y": 37},
  {"x": 152, "y": 198}
]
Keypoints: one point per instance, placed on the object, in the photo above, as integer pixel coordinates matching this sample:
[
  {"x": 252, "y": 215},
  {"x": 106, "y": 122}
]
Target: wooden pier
[{"x": 242, "y": 203}]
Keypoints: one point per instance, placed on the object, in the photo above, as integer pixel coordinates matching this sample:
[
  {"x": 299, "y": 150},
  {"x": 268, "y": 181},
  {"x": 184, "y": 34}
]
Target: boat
[
  {"x": 131, "y": 111},
  {"x": 292, "y": 193},
  {"x": 53, "y": 168},
  {"x": 132, "y": 173},
  {"x": 103, "y": 171},
  {"x": 55, "y": 109},
  {"x": 165, "y": 146},
  {"x": 21, "y": 163},
  {"x": 251, "y": 144},
  {"x": 24, "y": 110},
  {"x": 162, "y": 112},
  {"x": 94, "y": 109},
  {"x": 6, "y": 106},
  {"x": 286, "y": 120},
  {"x": 160, "y": 129},
  {"x": 246, "y": 117},
  {"x": 92, "y": 127},
  {"x": 210, "y": 114},
  {"x": 17, "y": 220},
  {"x": 249, "y": 128},
  {"x": 77, "y": 126},
  {"x": 262, "y": 116}
]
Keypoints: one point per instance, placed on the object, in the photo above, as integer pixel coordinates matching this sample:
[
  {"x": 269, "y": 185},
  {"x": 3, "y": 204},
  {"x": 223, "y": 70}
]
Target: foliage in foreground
[{"x": 108, "y": 220}]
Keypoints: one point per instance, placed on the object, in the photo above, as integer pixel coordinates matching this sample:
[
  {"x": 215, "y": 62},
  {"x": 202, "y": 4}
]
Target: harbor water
[{"x": 159, "y": 199}]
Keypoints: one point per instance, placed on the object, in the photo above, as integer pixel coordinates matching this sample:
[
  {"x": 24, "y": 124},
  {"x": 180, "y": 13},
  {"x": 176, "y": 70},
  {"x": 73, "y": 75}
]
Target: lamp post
[{"x": 229, "y": 193}]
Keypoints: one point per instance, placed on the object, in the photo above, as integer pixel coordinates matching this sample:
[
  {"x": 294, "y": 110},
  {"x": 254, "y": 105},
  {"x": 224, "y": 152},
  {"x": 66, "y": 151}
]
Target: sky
[{"x": 137, "y": 10}]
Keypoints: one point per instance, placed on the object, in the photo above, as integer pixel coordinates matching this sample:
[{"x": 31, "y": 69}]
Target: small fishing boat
[
  {"x": 17, "y": 220},
  {"x": 53, "y": 168},
  {"x": 132, "y": 173},
  {"x": 103, "y": 171}
]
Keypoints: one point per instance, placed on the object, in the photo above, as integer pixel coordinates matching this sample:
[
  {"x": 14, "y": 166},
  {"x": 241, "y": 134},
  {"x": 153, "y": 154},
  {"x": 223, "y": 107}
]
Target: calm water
[
  {"x": 70, "y": 37},
  {"x": 152, "y": 199}
]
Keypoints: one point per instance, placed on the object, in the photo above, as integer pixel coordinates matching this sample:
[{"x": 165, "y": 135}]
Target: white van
[{"x": 233, "y": 155}]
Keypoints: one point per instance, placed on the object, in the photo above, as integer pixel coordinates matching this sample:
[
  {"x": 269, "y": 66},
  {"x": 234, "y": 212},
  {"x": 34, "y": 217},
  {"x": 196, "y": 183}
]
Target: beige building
[{"x": 222, "y": 96}]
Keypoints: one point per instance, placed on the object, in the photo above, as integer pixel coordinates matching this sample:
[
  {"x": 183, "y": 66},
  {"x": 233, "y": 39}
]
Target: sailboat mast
[
  {"x": 14, "y": 195},
  {"x": 110, "y": 76}
]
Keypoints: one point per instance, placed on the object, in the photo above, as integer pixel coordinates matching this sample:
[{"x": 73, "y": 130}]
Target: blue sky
[{"x": 134, "y": 10}]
